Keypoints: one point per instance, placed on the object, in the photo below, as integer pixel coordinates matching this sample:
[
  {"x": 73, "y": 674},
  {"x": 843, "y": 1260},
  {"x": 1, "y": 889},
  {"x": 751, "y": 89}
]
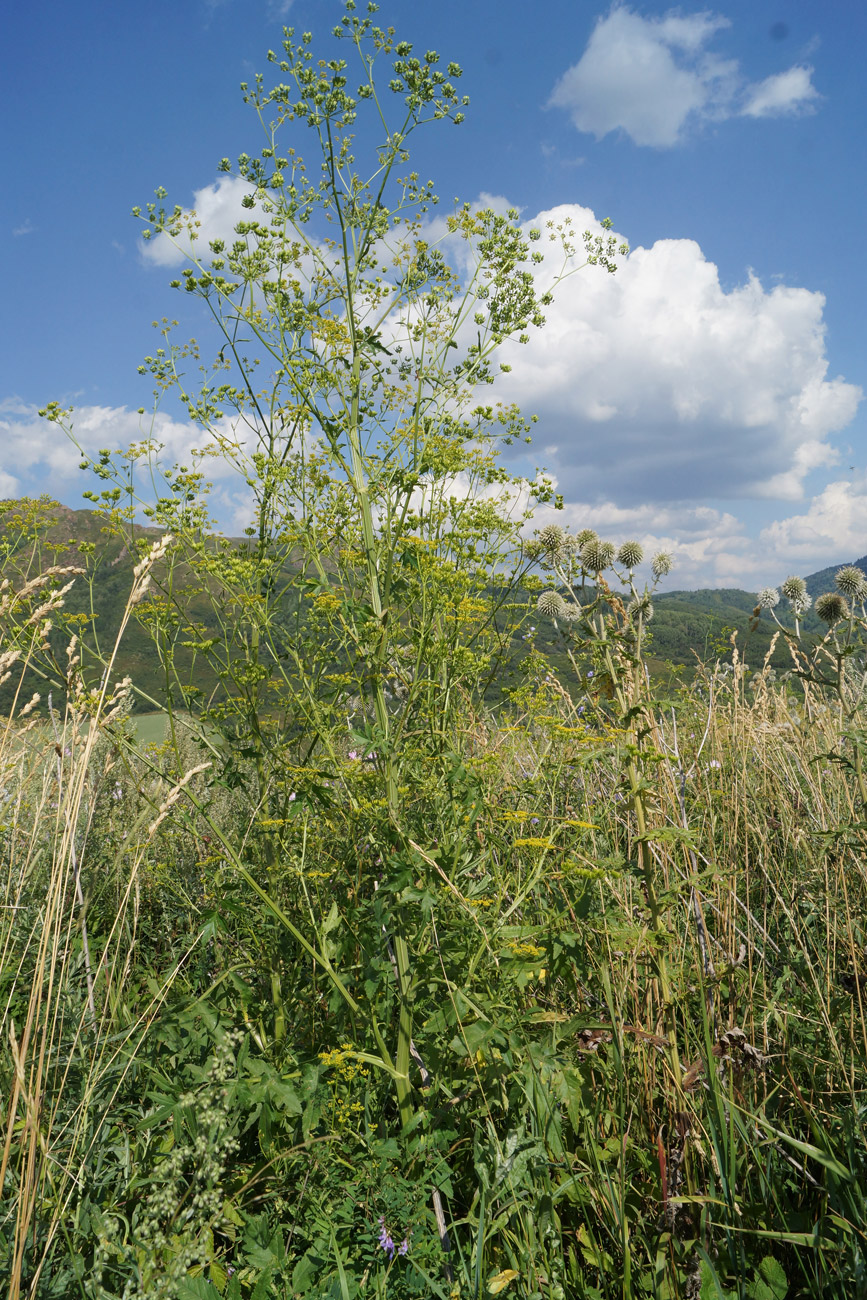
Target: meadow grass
[
  {"x": 352, "y": 984},
  {"x": 577, "y": 1128}
]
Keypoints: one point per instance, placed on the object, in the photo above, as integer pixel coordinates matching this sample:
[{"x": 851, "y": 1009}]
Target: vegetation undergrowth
[{"x": 356, "y": 985}]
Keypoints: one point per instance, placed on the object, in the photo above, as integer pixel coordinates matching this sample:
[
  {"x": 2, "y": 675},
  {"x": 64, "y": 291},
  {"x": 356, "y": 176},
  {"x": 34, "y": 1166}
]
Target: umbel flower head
[
  {"x": 551, "y": 539},
  {"x": 630, "y": 555},
  {"x": 596, "y": 555},
  {"x": 794, "y": 589},
  {"x": 768, "y": 598},
  {"x": 551, "y": 605},
  {"x": 851, "y": 581},
  {"x": 832, "y": 607}
]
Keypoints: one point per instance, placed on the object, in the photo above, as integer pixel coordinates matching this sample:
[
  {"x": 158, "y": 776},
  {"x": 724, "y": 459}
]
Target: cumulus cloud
[
  {"x": 661, "y": 381},
  {"x": 830, "y": 531},
  {"x": 654, "y": 78}
]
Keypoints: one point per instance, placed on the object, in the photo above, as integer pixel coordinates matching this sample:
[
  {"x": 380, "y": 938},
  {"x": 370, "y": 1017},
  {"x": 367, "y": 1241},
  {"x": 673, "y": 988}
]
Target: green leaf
[
  {"x": 771, "y": 1283},
  {"x": 197, "y": 1288}
]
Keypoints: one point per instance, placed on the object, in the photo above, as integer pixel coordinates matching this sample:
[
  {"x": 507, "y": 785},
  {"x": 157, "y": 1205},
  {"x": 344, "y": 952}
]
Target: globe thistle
[
  {"x": 596, "y": 555},
  {"x": 551, "y": 540},
  {"x": 832, "y": 607},
  {"x": 801, "y": 605},
  {"x": 661, "y": 564},
  {"x": 640, "y": 608},
  {"x": 572, "y": 612},
  {"x": 551, "y": 604},
  {"x": 586, "y": 535},
  {"x": 630, "y": 555},
  {"x": 851, "y": 582},
  {"x": 794, "y": 589},
  {"x": 768, "y": 598}
]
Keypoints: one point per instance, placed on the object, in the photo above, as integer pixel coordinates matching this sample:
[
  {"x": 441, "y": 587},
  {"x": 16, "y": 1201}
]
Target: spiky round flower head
[
  {"x": 630, "y": 555},
  {"x": 551, "y": 604},
  {"x": 551, "y": 539},
  {"x": 768, "y": 598},
  {"x": 801, "y": 605},
  {"x": 661, "y": 564},
  {"x": 640, "y": 609},
  {"x": 794, "y": 589},
  {"x": 831, "y": 608},
  {"x": 572, "y": 612},
  {"x": 596, "y": 555},
  {"x": 586, "y": 535},
  {"x": 851, "y": 582}
]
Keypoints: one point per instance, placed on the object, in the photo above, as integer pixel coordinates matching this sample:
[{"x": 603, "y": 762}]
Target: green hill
[{"x": 688, "y": 626}]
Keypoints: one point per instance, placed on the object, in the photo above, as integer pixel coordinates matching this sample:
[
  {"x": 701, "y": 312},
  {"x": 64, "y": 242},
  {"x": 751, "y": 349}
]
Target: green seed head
[
  {"x": 831, "y": 608},
  {"x": 551, "y": 604},
  {"x": 551, "y": 540},
  {"x": 851, "y": 581},
  {"x": 630, "y": 555},
  {"x": 661, "y": 564},
  {"x": 794, "y": 589},
  {"x": 597, "y": 555},
  {"x": 768, "y": 598},
  {"x": 640, "y": 609}
]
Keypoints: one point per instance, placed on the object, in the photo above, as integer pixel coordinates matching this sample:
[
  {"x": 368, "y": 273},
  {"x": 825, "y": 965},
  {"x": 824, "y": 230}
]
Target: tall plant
[{"x": 355, "y": 334}]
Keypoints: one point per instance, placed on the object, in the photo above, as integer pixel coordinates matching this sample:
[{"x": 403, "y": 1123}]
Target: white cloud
[
  {"x": 787, "y": 92},
  {"x": 659, "y": 380},
  {"x": 830, "y": 531},
  {"x": 654, "y": 78},
  {"x": 26, "y": 228}
]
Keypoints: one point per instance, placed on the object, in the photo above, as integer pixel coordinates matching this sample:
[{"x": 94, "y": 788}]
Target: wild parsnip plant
[{"x": 355, "y": 984}]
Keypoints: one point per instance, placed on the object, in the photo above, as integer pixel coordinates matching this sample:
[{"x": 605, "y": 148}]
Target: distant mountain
[{"x": 688, "y": 626}]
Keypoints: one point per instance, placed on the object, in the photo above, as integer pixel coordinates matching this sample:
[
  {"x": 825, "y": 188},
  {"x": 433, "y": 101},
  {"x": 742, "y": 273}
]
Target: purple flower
[
  {"x": 385, "y": 1241},
  {"x": 403, "y": 1248},
  {"x": 353, "y": 753}
]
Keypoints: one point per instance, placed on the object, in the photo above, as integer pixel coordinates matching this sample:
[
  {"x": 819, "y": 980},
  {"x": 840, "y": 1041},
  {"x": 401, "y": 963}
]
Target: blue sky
[{"x": 707, "y": 398}]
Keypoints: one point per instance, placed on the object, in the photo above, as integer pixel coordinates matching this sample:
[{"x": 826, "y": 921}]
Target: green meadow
[{"x": 383, "y": 912}]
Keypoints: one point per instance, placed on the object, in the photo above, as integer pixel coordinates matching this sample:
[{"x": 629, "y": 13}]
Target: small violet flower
[{"x": 386, "y": 1242}]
